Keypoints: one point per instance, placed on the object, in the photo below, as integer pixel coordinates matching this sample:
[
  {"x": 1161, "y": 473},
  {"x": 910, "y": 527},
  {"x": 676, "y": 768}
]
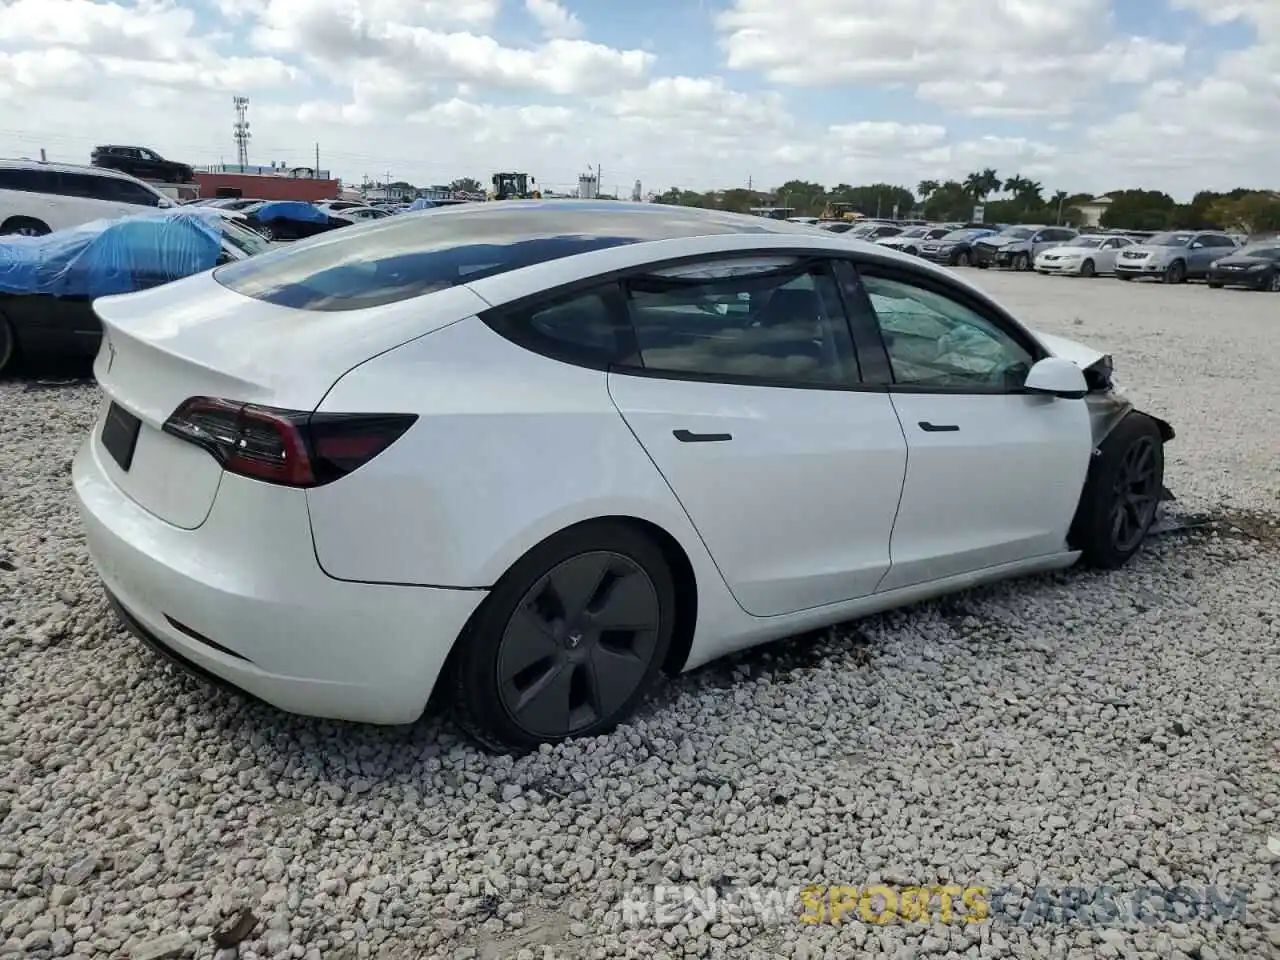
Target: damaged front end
[{"x": 1108, "y": 406}]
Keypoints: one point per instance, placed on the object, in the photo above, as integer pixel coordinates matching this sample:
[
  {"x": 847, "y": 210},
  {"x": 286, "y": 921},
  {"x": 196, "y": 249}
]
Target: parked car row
[{"x": 1219, "y": 258}]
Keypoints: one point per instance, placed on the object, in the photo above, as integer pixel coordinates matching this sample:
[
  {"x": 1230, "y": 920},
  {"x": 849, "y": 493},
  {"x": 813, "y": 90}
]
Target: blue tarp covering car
[
  {"x": 290, "y": 219},
  {"x": 48, "y": 283},
  {"x": 110, "y": 256}
]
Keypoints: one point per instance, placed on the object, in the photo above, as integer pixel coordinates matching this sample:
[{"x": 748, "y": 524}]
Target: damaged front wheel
[{"x": 1121, "y": 494}]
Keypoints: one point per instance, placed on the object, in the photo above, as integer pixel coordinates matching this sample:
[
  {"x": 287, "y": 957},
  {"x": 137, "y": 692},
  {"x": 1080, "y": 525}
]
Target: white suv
[{"x": 36, "y": 198}]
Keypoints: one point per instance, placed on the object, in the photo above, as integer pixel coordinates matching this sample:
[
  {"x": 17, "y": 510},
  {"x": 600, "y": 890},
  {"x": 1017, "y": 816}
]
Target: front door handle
[
  {"x": 686, "y": 436},
  {"x": 928, "y": 427}
]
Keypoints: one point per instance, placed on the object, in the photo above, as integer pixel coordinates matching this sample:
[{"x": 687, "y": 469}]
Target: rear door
[
  {"x": 994, "y": 474},
  {"x": 744, "y": 391}
]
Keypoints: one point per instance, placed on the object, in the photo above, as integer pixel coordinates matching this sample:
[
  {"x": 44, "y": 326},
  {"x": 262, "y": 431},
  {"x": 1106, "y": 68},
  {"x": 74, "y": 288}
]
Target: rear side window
[
  {"x": 85, "y": 186},
  {"x": 396, "y": 258},
  {"x": 29, "y": 181},
  {"x": 774, "y": 326}
]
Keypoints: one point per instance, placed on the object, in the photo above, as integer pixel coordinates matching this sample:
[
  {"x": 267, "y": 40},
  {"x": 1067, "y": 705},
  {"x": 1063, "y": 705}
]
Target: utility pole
[
  {"x": 317, "y": 167},
  {"x": 750, "y": 183},
  {"x": 240, "y": 131}
]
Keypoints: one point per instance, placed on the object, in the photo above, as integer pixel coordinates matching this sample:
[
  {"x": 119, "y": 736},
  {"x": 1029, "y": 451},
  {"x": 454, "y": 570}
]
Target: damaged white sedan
[{"x": 530, "y": 454}]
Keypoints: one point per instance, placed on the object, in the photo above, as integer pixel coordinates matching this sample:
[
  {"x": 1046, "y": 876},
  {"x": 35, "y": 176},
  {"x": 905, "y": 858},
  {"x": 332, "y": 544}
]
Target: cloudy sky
[{"x": 1081, "y": 94}]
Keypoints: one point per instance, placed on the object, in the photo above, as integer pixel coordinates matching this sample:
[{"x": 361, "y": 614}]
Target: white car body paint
[{"x": 346, "y": 598}]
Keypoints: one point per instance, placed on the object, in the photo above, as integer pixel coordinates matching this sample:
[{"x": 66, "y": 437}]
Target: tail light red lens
[{"x": 294, "y": 448}]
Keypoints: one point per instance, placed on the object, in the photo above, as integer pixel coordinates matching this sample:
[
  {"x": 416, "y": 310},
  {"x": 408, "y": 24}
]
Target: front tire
[
  {"x": 1121, "y": 494},
  {"x": 569, "y": 641},
  {"x": 1176, "y": 272},
  {"x": 1274, "y": 285},
  {"x": 1215, "y": 284},
  {"x": 1022, "y": 262},
  {"x": 1087, "y": 269}
]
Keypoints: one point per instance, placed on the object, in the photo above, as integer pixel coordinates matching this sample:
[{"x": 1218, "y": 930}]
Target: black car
[
  {"x": 142, "y": 163},
  {"x": 956, "y": 248},
  {"x": 1256, "y": 267},
  {"x": 290, "y": 219}
]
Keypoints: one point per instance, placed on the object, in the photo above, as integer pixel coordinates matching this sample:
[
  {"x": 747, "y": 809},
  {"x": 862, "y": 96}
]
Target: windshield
[
  {"x": 1018, "y": 233},
  {"x": 1169, "y": 240},
  {"x": 243, "y": 239},
  {"x": 914, "y": 232},
  {"x": 965, "y": 234},
  {"x": 1089, "y": 243},
  {"x": 1267, "y": 250}
]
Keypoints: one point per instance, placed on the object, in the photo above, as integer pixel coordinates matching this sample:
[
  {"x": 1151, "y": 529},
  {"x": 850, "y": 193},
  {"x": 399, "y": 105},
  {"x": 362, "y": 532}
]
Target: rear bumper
[{"x": 241, "y": 600}]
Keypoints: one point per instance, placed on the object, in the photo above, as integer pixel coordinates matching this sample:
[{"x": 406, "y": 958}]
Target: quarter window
[
  {"x": 587, "y": 327},
  {"x": 936, "y": 342},
  {"x": 772, "y": 325}
]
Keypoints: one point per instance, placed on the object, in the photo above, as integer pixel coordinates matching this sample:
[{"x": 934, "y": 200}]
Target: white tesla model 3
[{"x": 532, "y": 453}]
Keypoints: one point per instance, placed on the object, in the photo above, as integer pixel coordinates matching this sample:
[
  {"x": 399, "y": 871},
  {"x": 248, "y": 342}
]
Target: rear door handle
[
  {"x": 928, "y": 427},
  {"x": 686, "y": 436}
]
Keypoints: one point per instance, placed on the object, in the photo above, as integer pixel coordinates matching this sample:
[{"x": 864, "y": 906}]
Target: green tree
[
  {"x": 806, "y": 197},
  {"x": 927, "y": 188},
  {"x": 981, "y": 185},
  {"x": 467, "y": 185},
  {"x": 951, "y": 201},
  {"x": 1256, "y": 212},
  {"x": 1139, "y": 210}
]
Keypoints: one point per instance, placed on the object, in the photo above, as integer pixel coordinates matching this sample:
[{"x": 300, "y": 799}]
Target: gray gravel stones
[{"x": 1075, "y": 730}]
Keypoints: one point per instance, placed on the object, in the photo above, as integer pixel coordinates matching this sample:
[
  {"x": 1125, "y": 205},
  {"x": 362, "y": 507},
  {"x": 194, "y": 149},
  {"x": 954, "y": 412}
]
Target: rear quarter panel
[{"x": 510, "y": 447}]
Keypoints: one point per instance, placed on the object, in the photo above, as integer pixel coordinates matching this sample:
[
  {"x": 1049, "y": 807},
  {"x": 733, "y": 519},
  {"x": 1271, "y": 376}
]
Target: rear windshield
[{"x": 413, "y": 254}]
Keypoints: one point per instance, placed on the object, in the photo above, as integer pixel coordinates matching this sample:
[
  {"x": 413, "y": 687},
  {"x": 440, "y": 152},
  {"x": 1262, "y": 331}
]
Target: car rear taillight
[{"x": 289, "y": 447}]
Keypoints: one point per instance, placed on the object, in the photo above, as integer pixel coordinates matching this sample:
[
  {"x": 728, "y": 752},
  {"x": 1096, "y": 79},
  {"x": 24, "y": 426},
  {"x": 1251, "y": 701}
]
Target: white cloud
[
  {"x": 554, "y": 19},
  {"x": 1019, "y": 58},
  {"x": 435, "y": 89}
]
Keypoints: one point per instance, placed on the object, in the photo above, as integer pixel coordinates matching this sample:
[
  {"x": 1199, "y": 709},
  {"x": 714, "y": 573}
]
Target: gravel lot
[{"x": 1078, "y": 729}]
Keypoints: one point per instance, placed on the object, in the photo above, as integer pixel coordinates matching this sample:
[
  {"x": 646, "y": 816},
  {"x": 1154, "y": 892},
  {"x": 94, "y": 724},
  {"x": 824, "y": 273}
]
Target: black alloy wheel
[
  {"x": 1135, "y": 494},
  {"x": 1121, "y": 493},
  {"x": 1274, "y": 284},
  {"x": 569, "y": 641},
  {"x": 578, "y": 644}
]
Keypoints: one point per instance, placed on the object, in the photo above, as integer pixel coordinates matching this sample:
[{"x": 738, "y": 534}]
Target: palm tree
[
  {"x": 1016, "y": 184},
  {"x": 981, "y": 185},
  {"x": 927, "y": 188}
]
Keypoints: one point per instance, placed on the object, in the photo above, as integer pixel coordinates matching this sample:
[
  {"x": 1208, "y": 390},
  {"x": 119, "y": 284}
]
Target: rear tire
[
  {"x": 1121, "y": 494},
  {"x": 24, "y": 227},
  {"x": 1274, "y": 285},
  {"x": 541, "y": 661},
  {"x": 1215, "y": 285},
  {"x": 1022, "y": 262},
  {"x": 8, "y": 344},
  {"x": 963, "y": 259}
]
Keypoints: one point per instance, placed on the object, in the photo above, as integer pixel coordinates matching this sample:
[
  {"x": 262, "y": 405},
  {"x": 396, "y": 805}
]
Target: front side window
[
  {"x": 934, "y": 341},
  {"x": 780, "y": 325}
]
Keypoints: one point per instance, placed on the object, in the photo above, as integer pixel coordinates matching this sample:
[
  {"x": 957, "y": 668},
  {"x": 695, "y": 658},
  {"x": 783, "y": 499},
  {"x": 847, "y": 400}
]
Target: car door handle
[
  {"x": 928, "y": 427},
  {"x": 687, "y": 436}
]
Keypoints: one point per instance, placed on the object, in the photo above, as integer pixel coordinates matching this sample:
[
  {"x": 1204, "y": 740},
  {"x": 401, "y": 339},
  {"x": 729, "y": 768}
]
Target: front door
[
  {"x": 745, "y": 395},
  {"x": 993, "y": 474}
]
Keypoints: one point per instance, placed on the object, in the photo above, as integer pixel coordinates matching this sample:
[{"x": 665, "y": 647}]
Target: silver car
[
  {"x": 1018, "y": 247},
  {"x": 1174, "y": 256}
]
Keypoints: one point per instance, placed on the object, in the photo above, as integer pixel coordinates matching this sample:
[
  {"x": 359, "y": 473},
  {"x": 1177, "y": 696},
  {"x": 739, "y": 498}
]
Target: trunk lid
[{"x": 194, "y": 337}]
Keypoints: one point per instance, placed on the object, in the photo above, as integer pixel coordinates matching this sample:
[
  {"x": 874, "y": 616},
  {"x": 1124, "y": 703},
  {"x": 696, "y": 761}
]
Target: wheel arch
[
  {"x": 22, "y": 218},
  {"x": 683, "y": 576}
]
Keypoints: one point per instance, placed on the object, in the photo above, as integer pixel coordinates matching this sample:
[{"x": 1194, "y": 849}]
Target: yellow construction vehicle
[
  {"x": 514, "y": 186},
  {"x": 840, "y": 211}
]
